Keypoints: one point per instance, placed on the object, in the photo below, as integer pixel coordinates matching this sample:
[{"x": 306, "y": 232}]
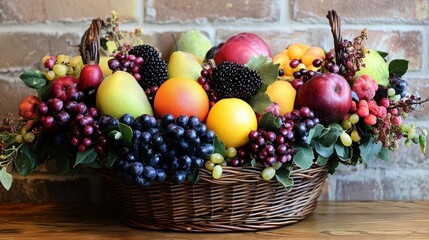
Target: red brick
[
  {"x": 33, "y": 11},
  {"x": 27, "y": 49},
  {"x": 362, "y": 11},
  {"x": 165, "y": 11},
  {"x": 11, "y": 94}
]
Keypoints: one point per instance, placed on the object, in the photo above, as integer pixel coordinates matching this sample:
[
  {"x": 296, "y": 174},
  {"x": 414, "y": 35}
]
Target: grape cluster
[
  {"x": 127, "y": 63},
  {"x": 61, "y": 65},
  {"x": 273, "y": 149},
  {"x": 165, "y": 147},
  {"x": 205, "y": 81}
]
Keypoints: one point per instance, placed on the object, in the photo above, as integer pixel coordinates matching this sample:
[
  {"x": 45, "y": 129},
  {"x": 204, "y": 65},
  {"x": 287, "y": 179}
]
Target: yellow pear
[
  {"x": 120, "y": 93},
  {"x": 184, "y": 64},
  {"x": 104, "y": 65}
]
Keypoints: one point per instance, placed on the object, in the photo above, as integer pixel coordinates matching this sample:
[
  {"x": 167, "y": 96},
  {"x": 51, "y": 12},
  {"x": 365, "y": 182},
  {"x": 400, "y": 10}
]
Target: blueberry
[
  {"x": 183, "y": 145},
  {"x": 178, "y": 132},
  {"x": 149, "y": 172},
  {"x": 136, "y": 135},
  {"x": 145, "y": 137},
  {"x": 152, "y": 130},
  {"x": 167, "y": 119},
  {"x": 136, "y": 168},
  {"x": 127, "y": 119},
  {"x": 186, "y": 162},
  {"x": 201, "y": 129},
  {"x": 131, "y": 157},
  {"x": 145, "y": 120},
  {"x": 193, "y": 121},
  {"x": 163, "y": 148},
  {"x": 113, "y": 121},
  {"x": 142, "y": 182},
  {"x": 179, "y": 176},
  {"x": 154, "y": 160},
  {"x": 157, "y": 139},
  {"x": 174, "y": 163},
  {"x": 205, "y": 150},
  {"x": 137, "y": 124},
  {"x": 123, "y": 151},
  {"x": 197, "y": 162},
  {"x": 182, "y": 121},
  {"x": 160, "y": 175},
  {"x": 190, "y": 135}
]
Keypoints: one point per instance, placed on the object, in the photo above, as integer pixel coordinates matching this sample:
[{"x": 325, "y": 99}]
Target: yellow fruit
[
  {"x": 294, "y": 51},
  {"x": 232, "y": 119},
  {"x": 376, "y": 67},
  {"x": 283, "y": 94},
  {"x": 104, "y": 66},
  {"x": 311, "y": 54},
  {"x": 120, "y": 93},
  {"x": 184, "y": 65}
]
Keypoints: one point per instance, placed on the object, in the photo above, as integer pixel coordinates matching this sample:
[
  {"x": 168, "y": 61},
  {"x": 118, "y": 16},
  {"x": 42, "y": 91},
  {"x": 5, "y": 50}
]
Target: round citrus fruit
[
  {"x": 232, "y": 119},
  {"x": 282, "y": 93},
  {"x": 181, "y": 96}
]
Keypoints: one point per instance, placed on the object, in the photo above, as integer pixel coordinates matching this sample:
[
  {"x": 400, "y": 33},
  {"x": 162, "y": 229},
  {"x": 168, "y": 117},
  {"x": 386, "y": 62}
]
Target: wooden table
[{"x": 331, "y": 220}]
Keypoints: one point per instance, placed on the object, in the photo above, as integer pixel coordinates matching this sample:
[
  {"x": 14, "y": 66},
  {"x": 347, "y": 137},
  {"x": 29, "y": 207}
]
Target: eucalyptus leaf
[
  {"x": 44, "y": 92},
  {"x": 342, "y": 151},
  {"x": 383, "y": 54},
  {"x": 126, "y": 131},
  {"x": 194, "y": 176},
  {"x": 384, "y": 154},
  {"x": 315, "y": 132},
  {"x": 304, "y": 157},
  {"x": 333, "y": 165},
  {"x": 85, "y": 157},
  {"x": 33, "y": 78},
  {"x": 25, "y": 160},
  {"x": 115, "y": 134},
  {"x": 422, "y": 143},
  {"x": 283, "y": 177},
  {"x": 330, "y": 135},
  {"x": 368, "y": 148},
  {"x": 325, "y": 151},
  {"x": 321, "y": 161},
  {"x": 112, "y": 156},
  {"x": 6, "y": 178}
]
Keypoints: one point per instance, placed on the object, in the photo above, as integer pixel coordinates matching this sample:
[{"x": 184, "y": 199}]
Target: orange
[
  {"x": 181, "y": 96},
  {"x": 282, "y": 93},
  {"x": 232, "y": 119}
]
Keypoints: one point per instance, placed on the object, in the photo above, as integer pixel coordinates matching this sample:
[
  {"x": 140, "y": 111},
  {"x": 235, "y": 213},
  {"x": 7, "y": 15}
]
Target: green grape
[
  {"x": 76, "y": 62},
  {"x": 217, "y": 172},
  {"x": 411, "y": 133},
  {"x": 277, "y": 165},
  {"x": 209, "y": 165},
  {"x": 346, "y": 124},
  {"x": 268, "y": 173},
  {"x": 60, "y": 70},
  {"x": 391, "y": 92},
  {"x": 29, "y": 137},
  {"x": 346, "y": 139},
  {"x": 231, "y": 152},
  {"x": 395, "y": 98},
  {"x": 355, "y": 136},
  {"x": 50, "y": 75},
  {"x": 216, "y": 158},
  {"x": 19, "y": 138},
  {"x": 354, "y": 118},
  {"x": 224, "y": 163}
]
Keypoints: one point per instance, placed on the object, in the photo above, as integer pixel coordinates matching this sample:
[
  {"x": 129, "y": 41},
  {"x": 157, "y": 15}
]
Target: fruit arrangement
[{"x": 234, "y": 104}]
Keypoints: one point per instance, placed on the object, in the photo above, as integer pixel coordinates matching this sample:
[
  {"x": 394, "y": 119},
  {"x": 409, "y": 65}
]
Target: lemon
[{"x": 232, "y": 119}]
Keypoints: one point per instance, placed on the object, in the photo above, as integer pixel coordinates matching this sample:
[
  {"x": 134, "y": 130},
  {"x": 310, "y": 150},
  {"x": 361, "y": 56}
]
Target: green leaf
[
  {"x": 219, "y": 146},
  {"x": 265, "y": 68},
  {"x": 44, "y": 92},
  {"x": 383, "y": 54},
  {"x": 194, "y": 176},
  {"x": 269, "y": 122},
  {"x": 25, "y": 161},
  {"x": 63, "y": 164},
  {"x": 422, "y": 143},
  {"x": 304, "y": 157},
  {"x": 259, "y": 102},
  {"x": 253, "y": 162},
  {"x": 332, "y": 165},
  {"x": 33, "y": 78},
  {"x": 368, "y": 148},
  {"x": 315, "y": 132},
  {"x": 85, "y": 157},
  {"x": 112, "y": 156},
  {"x": 7, "y": 137},
  {"x": 126, "y": 131},
  {"x": 398, "y": 67},
  {"x": 325, "y": 151},
  {"x": 321, "y": 161},
  {"x": 342, "y": 151},
  {"x": 384, "y": 154},
  {"x": 6, "y": 179},
  {"x": 283, "y": 177},
  {"x": 330, "y": 135}
]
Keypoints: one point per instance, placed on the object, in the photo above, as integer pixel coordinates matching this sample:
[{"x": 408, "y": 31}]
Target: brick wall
[{"x": 30, "y": 29}]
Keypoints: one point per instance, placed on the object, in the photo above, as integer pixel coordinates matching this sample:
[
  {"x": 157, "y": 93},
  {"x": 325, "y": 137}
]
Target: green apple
[
  {"x": 376, "y": 67},
  {"x": 120, "y": 93},
  {"x": 184, "y": 64},
  {"x": 193, "y": 41}
]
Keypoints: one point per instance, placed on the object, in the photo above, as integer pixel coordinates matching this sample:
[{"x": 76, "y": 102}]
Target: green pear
[
  {"x": 184, "y": 64},
  {"x": 376, "y": 67},
  {"x": 193, "y": 41},
  {"x": 120, "y": 93}
]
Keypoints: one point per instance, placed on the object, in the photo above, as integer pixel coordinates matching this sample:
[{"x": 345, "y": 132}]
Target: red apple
[
  {"x": 240, "y": 48},
  {"x": 328, "y": 95},
  {"x": 65, "y": 88},
  {"x": 90, "y": 76}
]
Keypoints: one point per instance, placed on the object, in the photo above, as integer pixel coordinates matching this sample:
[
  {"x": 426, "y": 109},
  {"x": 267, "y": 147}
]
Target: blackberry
[
  {"x": 154, "y": 69},
  {"x": 231, "y": 79}
]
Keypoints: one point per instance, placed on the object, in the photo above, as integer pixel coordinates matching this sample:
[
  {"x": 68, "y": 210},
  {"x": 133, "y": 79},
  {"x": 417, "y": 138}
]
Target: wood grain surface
[{"x": 331, "y": 220}]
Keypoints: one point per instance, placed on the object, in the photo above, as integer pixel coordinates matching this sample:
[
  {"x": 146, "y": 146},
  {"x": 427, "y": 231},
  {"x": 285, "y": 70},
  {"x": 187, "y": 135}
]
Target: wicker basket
[{"x": 240, "y": 201}]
